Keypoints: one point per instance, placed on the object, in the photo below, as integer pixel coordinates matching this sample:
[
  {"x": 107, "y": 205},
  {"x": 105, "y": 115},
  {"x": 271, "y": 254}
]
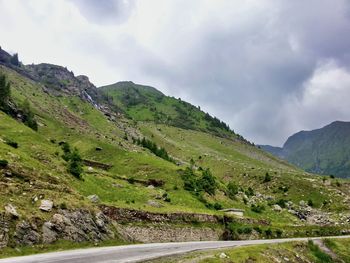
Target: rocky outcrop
[
  {"x": 168, "y": 233},
  {"x": 4, "y": 230},
  {"x": 77, "y": 226}
]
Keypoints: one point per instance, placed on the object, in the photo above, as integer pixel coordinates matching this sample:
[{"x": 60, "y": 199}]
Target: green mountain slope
[
  {"x": 323, "y": 151},
  {"x": 144, "y": 103},
  {"x": 126, "y": 173}
]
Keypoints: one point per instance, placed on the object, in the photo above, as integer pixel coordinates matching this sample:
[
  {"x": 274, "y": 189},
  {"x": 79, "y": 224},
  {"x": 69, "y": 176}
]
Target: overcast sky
[{"x": 268, "y": 68}]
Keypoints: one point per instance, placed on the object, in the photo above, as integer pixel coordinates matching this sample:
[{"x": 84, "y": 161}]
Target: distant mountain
[{"x": 323, "y": 151}]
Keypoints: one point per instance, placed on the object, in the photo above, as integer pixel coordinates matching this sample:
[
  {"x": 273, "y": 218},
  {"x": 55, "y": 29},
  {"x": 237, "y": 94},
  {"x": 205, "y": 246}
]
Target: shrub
[
  {"x": 310, "y": 203},
  {"x": 217, "y": 206},
  {"x": 207, "y": 182},
  {"x": 282, "y": 203},
  {"x": 267, "y": 178},
  {"x": 66, "y": 151},
  {"x": 257, "y": 208},
  {"x": 279, "y": 233},
  {"x": 232, "y": 190},
  {"x": 131, "y": 180},
  {"x": 4, "y": 93},
  {"x": 249, "y": 192},
  {"x": 12, "y": 143},
  {"x": 268, "y": 232},
  {"x": 75, "y": 166},
  {"x": 3, "y": 163}
]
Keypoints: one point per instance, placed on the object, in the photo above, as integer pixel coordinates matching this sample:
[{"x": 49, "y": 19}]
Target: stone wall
[{"x": 168, "y": 233}]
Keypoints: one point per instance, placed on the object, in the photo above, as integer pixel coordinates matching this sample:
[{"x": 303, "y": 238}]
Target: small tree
[
  {"x": 267, "y": 178},
  {"x": 232, "y": 190},
  {"x": 75, "y": 166},
  {"x": 4, "y": 93},
  {"x": 207, "y": 182}
]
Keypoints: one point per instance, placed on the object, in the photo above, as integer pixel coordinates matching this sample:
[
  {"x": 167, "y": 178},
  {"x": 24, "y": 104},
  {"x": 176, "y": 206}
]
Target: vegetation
[
  {"x": 3, "y": 163},
  {"x": 193, "y": 183},
  {"x": 28, "y": 116},
  {"x": 4, "y": 93},
  {"x": 152, "y": 146}
]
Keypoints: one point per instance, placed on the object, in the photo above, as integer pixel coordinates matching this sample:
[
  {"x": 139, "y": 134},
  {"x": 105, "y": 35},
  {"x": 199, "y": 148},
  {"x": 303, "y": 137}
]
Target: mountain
[
  {"x": 323, "y": 151},
  {"x": 126, "y": 163}
]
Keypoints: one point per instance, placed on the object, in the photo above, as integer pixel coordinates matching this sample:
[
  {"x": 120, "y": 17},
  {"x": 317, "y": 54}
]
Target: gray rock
[
  {"x": 277, "y": 208},
  {"x": 26, "y": 234},
  {"x": 46, "y": 205},
  {"x": 154, "y": 204},
  {"x": 94, "y": 198},
  {"x": 10, "y": 209}
]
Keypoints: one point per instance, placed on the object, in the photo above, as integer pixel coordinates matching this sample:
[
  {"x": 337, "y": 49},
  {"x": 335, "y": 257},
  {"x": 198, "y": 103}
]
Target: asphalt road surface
[{"x": 139, "y": 253}]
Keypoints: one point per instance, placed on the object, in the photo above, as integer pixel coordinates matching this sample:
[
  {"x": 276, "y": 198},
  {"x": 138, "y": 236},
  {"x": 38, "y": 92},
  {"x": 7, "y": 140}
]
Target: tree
[
  {"x": 75, "y": 166},
  {"x": 232, "y": 190},
  {"x": 4, "y": 93},
  {"x": 28, "y": 116},
  {"x": 267, "y": 178},
  {"x": 207, "y": 182}
]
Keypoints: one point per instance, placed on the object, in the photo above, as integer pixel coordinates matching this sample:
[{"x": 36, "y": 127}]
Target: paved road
[{"x": 138, "y": 253}]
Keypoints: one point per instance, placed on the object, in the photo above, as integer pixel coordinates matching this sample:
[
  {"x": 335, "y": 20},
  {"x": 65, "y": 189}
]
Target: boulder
[
  {"x": 277, "y": 208},
  {"x": 46, "y": 205},
  {"x": 94, "y": 198},
  {"x": 154, "y": 204},
  {"x": 11, "y": 210}
]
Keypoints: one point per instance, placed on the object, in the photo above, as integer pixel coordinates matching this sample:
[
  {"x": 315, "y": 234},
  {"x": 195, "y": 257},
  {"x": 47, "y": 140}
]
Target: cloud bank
[{"x": 269, "y": 68}]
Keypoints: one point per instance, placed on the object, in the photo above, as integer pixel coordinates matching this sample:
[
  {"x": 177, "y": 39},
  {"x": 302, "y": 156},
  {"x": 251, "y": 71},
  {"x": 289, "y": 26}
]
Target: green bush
[
  {"x": 3, "y": 163},
  {"x": 11, "y": 143},
  {"x": 232, "y": 190},
  {"x": 28, "y": 116},
  {"x": 257, "y": 208},
  {"x": 267, "y": 178},
  {"x": 4, "y": 93},
  {"x": 207, "y": 182},
  {"x": 75, "y": 166},
  {"x": 217, "y": 206}
]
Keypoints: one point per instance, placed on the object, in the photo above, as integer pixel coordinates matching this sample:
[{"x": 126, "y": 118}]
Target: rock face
[
  {"x": 26, "y": 234},
  {"x": 4, "y": 230},
  {"x": 77, "y": 226}
]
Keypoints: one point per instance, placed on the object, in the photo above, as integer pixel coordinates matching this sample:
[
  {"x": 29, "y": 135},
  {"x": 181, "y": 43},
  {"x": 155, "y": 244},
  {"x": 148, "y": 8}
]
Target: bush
[
  {"x": 12, "y": 143},
  {"x": 267, "y": 178},
  {"x": 268, "y": 232},
  {"x": 279, "y": 233},
  {"x": 3, "y": 163},
  {"x": 232, "y": 190},
  {"x": 217, "y": 206},
  {"x": 282, "y": 203},
  {"x": 257, "y": 208},
  {"x": 207, "y": 182},
  {"x": 66, "y": 151},
  {"x": 310, "y": 203},
  {"x": 4, "y": 93},
  {"x": 131, "y": 180},
  {"x": 75, "y": 166},
  {"x": 249, "y": 192}
]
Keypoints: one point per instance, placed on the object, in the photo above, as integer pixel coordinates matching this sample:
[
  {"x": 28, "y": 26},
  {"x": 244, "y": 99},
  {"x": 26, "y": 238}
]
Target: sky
[{"x": 268, "y": 68}]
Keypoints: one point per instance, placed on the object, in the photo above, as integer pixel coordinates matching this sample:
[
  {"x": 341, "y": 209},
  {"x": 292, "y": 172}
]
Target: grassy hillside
[
  {"x": 144, "y": 103},
  {"x": 240, "y": 175}
]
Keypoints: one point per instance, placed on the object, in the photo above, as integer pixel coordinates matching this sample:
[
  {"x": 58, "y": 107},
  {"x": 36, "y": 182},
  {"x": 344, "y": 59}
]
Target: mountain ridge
[{"x": 323, "y": 150}]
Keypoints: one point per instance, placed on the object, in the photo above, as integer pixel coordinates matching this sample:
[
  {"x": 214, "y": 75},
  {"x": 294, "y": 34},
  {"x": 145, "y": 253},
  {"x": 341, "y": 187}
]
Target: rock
[
  {"x": 154, "y": 203},
  {"x": 150, "y": 187},
  {"x": 94, "y": 198},
  {"x": 90, "y": 169},
  {"x": 223, "y": 255},
  {"x": 46, "y": 205},
  {"x": 302, "y": 203},
  {"x": 10, "y": 209},
  {"x": 26, "y": 234},
  {"x": 277, "y": 208},
  {"x": 99, "y": 149}
]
